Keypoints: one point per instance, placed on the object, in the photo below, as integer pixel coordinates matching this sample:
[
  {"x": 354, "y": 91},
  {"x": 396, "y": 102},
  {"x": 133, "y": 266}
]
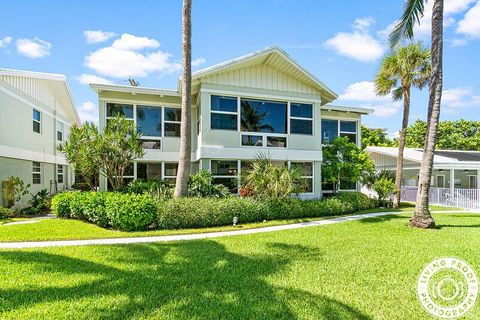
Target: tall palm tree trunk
[
  {"x": 183, "y": 174},
  {"x": 401, "y": 145},
  {"x": 422, "y": 217}
]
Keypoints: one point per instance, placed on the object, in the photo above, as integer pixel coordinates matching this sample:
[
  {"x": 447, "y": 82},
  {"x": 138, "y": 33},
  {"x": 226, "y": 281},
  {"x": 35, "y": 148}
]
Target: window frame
[
  {"x": 236, "y": 113},
  {"x": 60, "y": 174},
  {"x": 339, "y": 131},
  {"x": 169, "y": 121},
  {"x": 312, "y": 177},
  {"x": 237, "y": 176},
  {"x": 35, "y": 172},
  {"x": 37, "y": 121},
  {"x": 290, "y": 118},
  {"x": 61, "y": 130}
]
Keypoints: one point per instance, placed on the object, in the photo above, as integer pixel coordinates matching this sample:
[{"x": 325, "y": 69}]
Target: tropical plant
[
  {"x": 343, "y": 161},
  {"x": 40, "y": 201},
  {"x": 413, "y": 11},
  {"x": 201, "y": 185},
  {"x": 81, "y": 152},
  {"x": 159, "y": 189},
  {"x": 183, "y": 173},
  {"x": 383, "y": 187},
  {"x": 117, "y": 147},
  {"x": 13, "y": 189},
  {"x": 400, "y": 70},
  {"x": 264, "y": 179}
]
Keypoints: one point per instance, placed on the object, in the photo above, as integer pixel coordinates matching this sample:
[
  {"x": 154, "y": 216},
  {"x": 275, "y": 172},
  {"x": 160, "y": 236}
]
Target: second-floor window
[
  {"x": 263, "y": 116},
  {"x": 301, "y": 118},
  {"x": 173, "y": 117},
  {"x": 331, "y": 129},
  {"x": 224, "y": 113},
  {"x": 149, "y": 121},
  {"x": 59, "y": 131},
  {"x": 37, "y": 118}
]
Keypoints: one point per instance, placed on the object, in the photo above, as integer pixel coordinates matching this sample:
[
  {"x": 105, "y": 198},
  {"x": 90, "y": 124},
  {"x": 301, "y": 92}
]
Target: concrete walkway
[{"x": 209, "y": 235}]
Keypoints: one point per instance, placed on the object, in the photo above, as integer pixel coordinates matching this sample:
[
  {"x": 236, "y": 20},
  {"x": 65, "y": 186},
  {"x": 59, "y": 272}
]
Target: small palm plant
[
  {"x": 399, "y": 71},
  {"x": 264, "y": 179}
]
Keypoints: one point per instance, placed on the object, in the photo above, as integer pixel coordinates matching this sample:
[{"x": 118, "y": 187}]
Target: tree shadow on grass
[
  {"x": 385, "y": 218},
  {"x": 187, "y": 280}
]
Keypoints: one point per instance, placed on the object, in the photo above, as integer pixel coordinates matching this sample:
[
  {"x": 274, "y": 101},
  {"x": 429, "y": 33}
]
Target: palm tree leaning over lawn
[
  {"x": 399, "y": 71},
  {"x": 412, "y": 13},
  {"x": 183, "y": 174}
]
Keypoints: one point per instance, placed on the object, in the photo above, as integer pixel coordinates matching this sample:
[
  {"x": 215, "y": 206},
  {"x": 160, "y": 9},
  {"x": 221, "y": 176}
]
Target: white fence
[{"x": 460, "y": 198}]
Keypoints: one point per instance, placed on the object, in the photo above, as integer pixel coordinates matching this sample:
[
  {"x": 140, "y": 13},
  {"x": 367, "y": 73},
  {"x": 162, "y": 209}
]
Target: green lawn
[
  {"x": 364, "y": 269},
  {"x": 61, "y": 229}
]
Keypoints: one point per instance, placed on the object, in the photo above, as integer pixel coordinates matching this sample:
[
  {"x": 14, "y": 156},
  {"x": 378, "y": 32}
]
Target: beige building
[
  {"x": 36, "y": 112},
  {"x": 260, "y": 103}
]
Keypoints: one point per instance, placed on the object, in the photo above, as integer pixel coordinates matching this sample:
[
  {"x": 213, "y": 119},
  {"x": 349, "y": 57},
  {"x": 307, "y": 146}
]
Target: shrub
[
  {"x": 93, "y": 208},
  {"x": 383, "y": 187},
  {"x": 158, "y": 188},
  {"x": 5, "y": 212},
  {"x": 207, "y": 212},
  {"x": 130, "y": 211},
  {"x": 60, "y": 204},
  {"x": 40, "y": 202},
  {"x": 201, "y": 185},
  {"x": 13, "y": 189}
]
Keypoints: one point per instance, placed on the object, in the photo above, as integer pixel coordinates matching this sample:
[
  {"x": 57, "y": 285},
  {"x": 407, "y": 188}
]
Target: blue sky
[{"x": 341, "y": 42}]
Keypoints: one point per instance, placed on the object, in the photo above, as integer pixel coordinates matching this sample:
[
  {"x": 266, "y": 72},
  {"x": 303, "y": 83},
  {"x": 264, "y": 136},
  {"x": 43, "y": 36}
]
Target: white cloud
[
  {"x": 198, "y": 61},
  {"x": 359, "y": 44},
  {"x": 97, "y": 36},
  {"x": 129, "y": 57},
  {"x": 458, "y": 42},
  {"x": 131, "y": 42},
  {"x": 5, "y": 41},
  {"x": 460, "y": 97},
  {"x": 33, "y": 48},
  {"x": 88, "y": 111},
  {"x": 470, "y": 24},
  {"x": 91, "y": 78},
  {"x": 364, "y": 92}
]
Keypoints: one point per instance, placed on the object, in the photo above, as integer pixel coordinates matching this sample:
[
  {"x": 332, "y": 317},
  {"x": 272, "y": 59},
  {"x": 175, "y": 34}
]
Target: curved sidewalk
[{"x": 61, "y": 243}]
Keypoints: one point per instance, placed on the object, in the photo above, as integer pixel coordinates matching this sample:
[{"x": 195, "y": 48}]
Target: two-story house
[
  {"x": 260, "y": 103},
  {"x": 36, "y": 112}
]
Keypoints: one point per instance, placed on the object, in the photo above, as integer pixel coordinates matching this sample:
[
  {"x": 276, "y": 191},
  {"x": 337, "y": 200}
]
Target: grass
[
  {"x": 61, "y": 229},
  {"x": 364, "y": 269}
]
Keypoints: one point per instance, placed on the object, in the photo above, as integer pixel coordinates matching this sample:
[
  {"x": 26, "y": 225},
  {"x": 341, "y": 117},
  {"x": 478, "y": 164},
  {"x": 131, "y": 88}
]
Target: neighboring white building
[
  {"x": 294, "y": 119},
  {"x": 36, "y": 112}
]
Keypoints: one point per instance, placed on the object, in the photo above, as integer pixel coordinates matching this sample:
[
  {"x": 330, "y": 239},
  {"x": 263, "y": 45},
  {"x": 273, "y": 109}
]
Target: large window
[
  {"x": 124, "y": 110},
  {"x": 173, "y": 117},
  {"x": 331, "y": 129},
  {"x": 224, "y": 113},
  {"x": 149, "y": 171},
  {"x": 307, "y": 170},
  {"x": 301, "y": 118},
  {"x": 225, "y": 172},
  {"x": 149, "y": 121},
  {"x": 37, "y": 118},
  {"x": 170, "y": 171},
  {"x": 36, "y": 173},
  {"x": 263, "y": 116}
]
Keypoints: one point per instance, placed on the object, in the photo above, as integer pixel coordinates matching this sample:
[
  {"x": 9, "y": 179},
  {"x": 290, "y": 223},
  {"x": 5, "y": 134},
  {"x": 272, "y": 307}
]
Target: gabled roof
[
  {"x": 272, "y": 56},
  {"x": 455, "y": 158},
  {"x": 58, "y": 83},
  {"x": 130, "y": 89}
]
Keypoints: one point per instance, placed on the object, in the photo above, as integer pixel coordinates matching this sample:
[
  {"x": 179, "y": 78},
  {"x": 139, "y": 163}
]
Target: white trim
[
  {"x": 140, "y": 102},
  {"x": 263, "y": 96},
  {"x": 248, "y": 153},
  {"x": 364, "y": 111},
  {"x": 134, "y": 90},
  {"x": 28, "y": 155},
  {"x": 37, "y": 172}
]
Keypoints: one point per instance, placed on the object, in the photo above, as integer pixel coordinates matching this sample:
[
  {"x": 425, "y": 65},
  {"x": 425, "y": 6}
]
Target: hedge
[
  {"x": 128, "y": 212},
  {"x": 181, "y": 213},
  {"x": 140, "y": 212}
]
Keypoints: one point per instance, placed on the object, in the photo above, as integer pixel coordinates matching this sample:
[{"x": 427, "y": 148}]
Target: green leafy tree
[
  {"x": 413, "y": 11},
  {"x": 201, "y": 185},
  {"x": 116, "y": 148},
  {"x": 375, "y": 137},
  {"x": 13, "y": 189},
  {"x": 452, "y": 135},
  {"x": 400, "y": 70},
  {"x": 343, "y": 161},
  {"x": 383, "y": 187},
  {"x": 81, "y": 152}
]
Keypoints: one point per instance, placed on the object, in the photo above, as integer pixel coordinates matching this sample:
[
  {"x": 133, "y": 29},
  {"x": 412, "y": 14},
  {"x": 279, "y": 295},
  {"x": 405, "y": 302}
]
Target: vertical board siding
[
  {"x": 262, "y": 76},
  {"x": 38, "y": 89}
]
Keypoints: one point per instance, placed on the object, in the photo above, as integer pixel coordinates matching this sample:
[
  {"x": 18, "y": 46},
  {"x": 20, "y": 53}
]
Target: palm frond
[
  {"x": 412, "y": 13},
  {"x": 397, "y": 94}
]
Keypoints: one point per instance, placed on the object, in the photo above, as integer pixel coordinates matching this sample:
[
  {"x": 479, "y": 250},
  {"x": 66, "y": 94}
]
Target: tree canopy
[{"x": 375, "y": 137}]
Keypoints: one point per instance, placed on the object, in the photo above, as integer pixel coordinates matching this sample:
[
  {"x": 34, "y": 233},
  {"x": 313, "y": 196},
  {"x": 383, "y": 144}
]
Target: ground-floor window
[
  {"x": 307, "y": 169},
  {"x": 36, "y": 173},
  {"x": 226, "y": 172},
  {"x": 60, "y": 174}
]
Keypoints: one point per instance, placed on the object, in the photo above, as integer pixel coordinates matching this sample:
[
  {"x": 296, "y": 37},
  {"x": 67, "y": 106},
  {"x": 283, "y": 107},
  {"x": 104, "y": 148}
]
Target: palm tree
[
  {"x": 413, "y": 11},
  {"x": 183, "y": 174},
  {"x": 399, "y": 71}
]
